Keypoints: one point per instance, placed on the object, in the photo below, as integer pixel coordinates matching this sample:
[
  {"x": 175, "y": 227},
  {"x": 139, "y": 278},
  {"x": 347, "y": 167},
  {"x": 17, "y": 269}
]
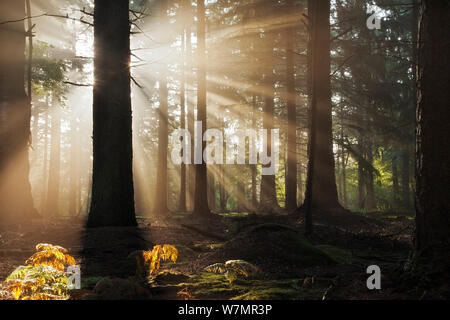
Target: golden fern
[
  {"x": 50, "y": 255},
  {"x": 153, "y": 257},
  {"x": 44, "y": 277}
]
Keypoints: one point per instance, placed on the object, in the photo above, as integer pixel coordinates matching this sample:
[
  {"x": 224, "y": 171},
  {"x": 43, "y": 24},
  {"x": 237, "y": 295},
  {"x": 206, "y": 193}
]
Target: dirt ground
[{"x": 353, "y": 241}]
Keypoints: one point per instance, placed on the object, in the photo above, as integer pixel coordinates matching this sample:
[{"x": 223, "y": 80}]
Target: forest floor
[{"x": 330, "y": 265}]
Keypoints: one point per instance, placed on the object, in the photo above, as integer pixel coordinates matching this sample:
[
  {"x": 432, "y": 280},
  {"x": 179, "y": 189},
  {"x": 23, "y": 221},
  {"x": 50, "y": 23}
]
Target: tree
[
  {"x": 321, "y": 191},
  {"x": 16, "y": 201},
  {"x": 52, "y": 200},
  {"x": 184, "y": 34},
  {"x": 291, "y": 174},
  {"x": 112, "y": 202},
  {"x": 433, "y": 145},
  {"x": 201, "y": 207},
  {"x": 160, "y": 203}
]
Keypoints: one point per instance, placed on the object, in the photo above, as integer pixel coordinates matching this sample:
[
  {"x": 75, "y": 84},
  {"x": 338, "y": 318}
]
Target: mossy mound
[
  {"x": 206, "y": 286},
  {"x": 272, "y": 247}
]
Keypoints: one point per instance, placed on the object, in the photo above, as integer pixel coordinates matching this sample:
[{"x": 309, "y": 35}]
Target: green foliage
[
  {"x": 38, "y": 283},
  {"x": 48, "y": 71},
  {"x": 44, "y": 277}
]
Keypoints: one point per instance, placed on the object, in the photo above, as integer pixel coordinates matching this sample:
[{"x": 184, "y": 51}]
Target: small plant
[
  {"x": 233, "y": 269},
  {"x": 43, "y": 278},
  {"x": 151, "y": 259},
  {"x": 50, "y": 255}
]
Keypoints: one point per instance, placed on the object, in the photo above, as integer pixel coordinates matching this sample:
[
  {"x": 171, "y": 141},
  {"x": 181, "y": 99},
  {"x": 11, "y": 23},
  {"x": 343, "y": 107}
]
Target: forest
[{"x": 224, "y": 150}]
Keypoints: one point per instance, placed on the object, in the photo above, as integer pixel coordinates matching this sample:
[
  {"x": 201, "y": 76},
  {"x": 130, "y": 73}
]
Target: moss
[
  {"x": 267, "y": 293},
  {"x": 214, "y": 286}
]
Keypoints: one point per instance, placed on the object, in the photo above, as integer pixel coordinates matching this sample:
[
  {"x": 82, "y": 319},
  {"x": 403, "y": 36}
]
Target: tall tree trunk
[
  {"x": 433, "y": 145},
  {"x": 406, "y": 202},
  {"x": 371, "y": 202},
  {"x": 321, "y": 192},
  {"x": 161, "y": 193},
  {"x": 45, "y": 166},
  {"x": 395, "y": 185},
  {"x": 74, "y": 170},
  {"x": 344, "y": 180},
  {"x": 182, "y": 204},
  {"x": 16, "y": 201},
  {"x": 52, "y": 206},
  {"x": 268, "y": 195},
  {"x": 160, "y": 201},
  {"x": 361, "y": 175},
  {"x": 343, "y": 174},
  {"x": 254, "y": 167},
  {"x": 291, "y": 172},
  {"x": 190, "y": 105},
  {"x": 201, "y": 208},
  {"x": 211, "y": 191},
  {"x": 112, "y": 202}
]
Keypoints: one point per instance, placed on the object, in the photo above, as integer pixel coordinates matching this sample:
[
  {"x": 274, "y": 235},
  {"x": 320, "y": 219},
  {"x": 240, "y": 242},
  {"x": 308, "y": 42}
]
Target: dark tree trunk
[
  {"x": 361, "y": 175},
  {"x": 112, "y": 202},
  {"x": 406, "y": 202},
  {"x": 291, "y": 172},
  {"x": 395, "y": 185},
  {"x": 254, "y": 167},
  {"x": 268, "y": 201},
  {"x": 371, "y": 202},
  {"x": 52, "y": 206},
  {"x": 321, "y": 191},
  {"x": 433, "y": 145},
  {"x": 16, "y": 201},
  {"x": 201, "y": 207},
  {"x": 344, "y": 180}
]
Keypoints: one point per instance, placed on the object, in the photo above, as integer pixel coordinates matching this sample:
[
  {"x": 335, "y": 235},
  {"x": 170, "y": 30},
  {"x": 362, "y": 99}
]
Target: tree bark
[
  {"x": 201, "y": 207},
  {"x": 52, "y": 206},
  {"x": 268, "y": 196},
  {"x": 291, "y": 172},
  {"x": 161, "y": 207},
  {"x": 406, "y": 202},
  {"x": 433, "y": 145},
  {"x": 395, "y": 185},
  {"x": 254, "y": 167},
  {"x": 74, "y": 167},
  {"x": 371, "y": 204},
  {"x": 361, "y": 175},
  {"x": 182, "y": 205},
  {"x": 16, "y": 203},
  {"x": 112, "y": 202},
  {"x": 321, "y": 191}
]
